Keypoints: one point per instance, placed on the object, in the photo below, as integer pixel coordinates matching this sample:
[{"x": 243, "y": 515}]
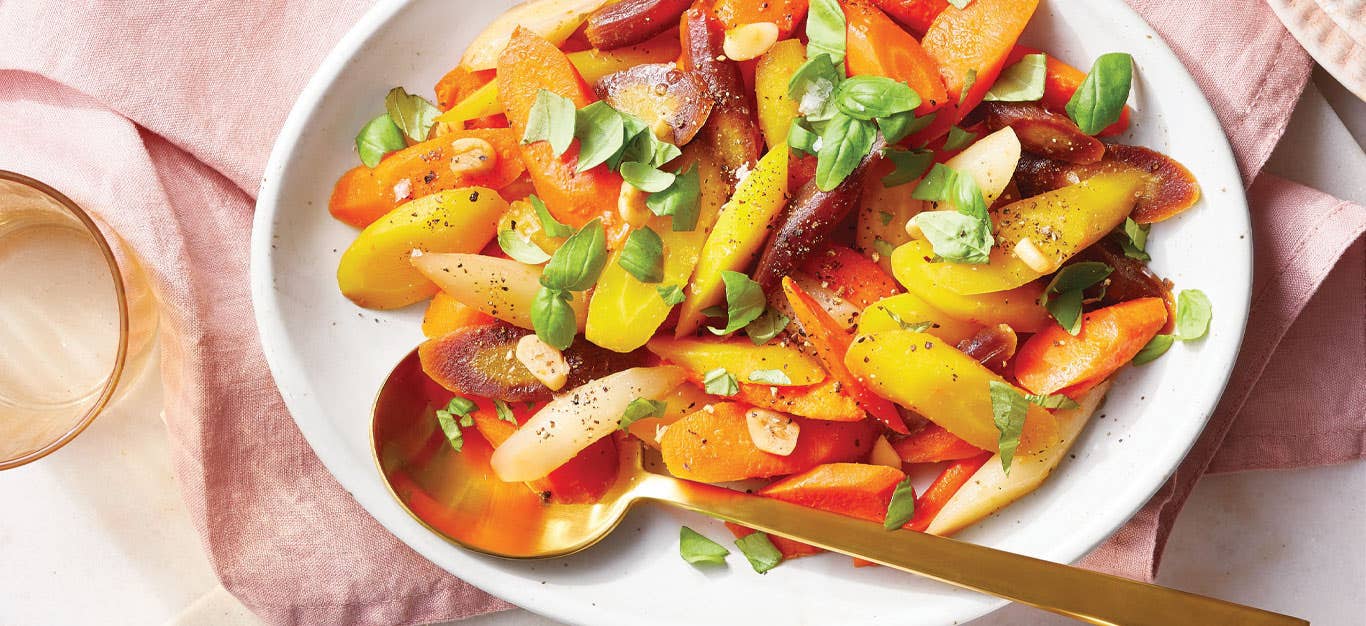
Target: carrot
[
  {"x": 822, "y": 401},
  {"x": 852, "y": 489},
  {"x": 789, "y": 548},
  {"x": 852, "y": 276},
  {"x": 933, "y": 444},
  {"x": 787, "y": 14},
  {"x": 929, "y": 503},
  {"x": 916, "y": 15},
  {"x": 363, "y": 195},
  {"x": 446, "y": 314},
  {"x": 975, "y": 41},
  {"x": 831, "y": 342},
  {"x": 529, "y": 64},
  {"x": 581, "y": 480},
  {"x": 1053, "y": 361},
  {"x": 876, "y": 46},
  {"x": 1060, "y": 82},
  {"x": 713, "y": 445},
  {"x": 458, "y": 84}
]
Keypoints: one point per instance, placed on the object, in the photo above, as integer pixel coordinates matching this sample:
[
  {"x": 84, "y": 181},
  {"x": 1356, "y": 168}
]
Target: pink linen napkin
[{"x": 159, "y": 115}]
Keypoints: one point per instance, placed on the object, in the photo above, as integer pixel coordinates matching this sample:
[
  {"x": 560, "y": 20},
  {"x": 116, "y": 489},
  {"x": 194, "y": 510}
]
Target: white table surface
[{"x": 97, "y": 533}]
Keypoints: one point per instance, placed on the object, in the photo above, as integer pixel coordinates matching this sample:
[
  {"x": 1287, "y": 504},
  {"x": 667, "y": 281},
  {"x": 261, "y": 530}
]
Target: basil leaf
[
  {"x": 869, "y": 97},
  {"x": 918, "y": 327},
  {"x": 958, "y": 139},
  {"x": 758, "y": 550},
  {"x": 553, "y": 318},
  {"x": 902, "y": 125},
  {"x": 1008, "y": 411},
  {"x": 552, "y": 120},
  {"x": 412, "y": 113},
  {"x": 744, "y": 302},
  {"x": 801, "y": 139},
  {"x": 457, "y": 409},
  {"x": 575, "y": 266},
  {"x": 504, "y": 411},
  {"x": 645, "y": 177},
  {"x": 844, "y": 143},
  {"x": 641, "y": 408},
  {"x": 1193, "y": 314},
  {"x": 671, "y": 294},
  {"x": 1156, "y": 347},
  {"x": 1100, "y": 100},
  {"x": 643, "y": 255},
  {"x": 772, "y": 377},
  {"x": 883, "y": 247},
  {"x": 461, "y": 406},
  {"x": 697, "y": 549},
  {"x": 956, "y": 237},
  {"x": 520, "y": 249},
  {"x": 719, "y": 382},
  {"x": 1021, "y": 82},
  {"x": 551, "y": 226},
  {"x": 601, "y": 133},
  {"x": 883, "y": 216},
  {"x": 944, "y": 184},
  {"x": 1066, "y": 309},
  {"x": 902, "y": 507},
  {"x": 1076, "y": 277},
  {"x": 767, "y": 326},
  {"x": 679, "y": 200},
  {"x": 908, "y": 165},
  {"x": 1051, "y": 401},
  {"x": 378, "y": 137},
  {"x": 825, "y": 29},
  {"x": 813, "y": 85},
  {"x": 968, "y": 82},
  {"x": 446, "y": 420},
  {"x": 1133, "y": 239}
]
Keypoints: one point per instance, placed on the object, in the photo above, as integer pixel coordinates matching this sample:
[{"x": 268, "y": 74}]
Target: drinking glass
[{"x": 78, "y": 319}]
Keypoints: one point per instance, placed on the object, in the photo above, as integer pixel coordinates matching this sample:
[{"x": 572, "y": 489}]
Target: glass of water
[{"x": 78, "y": 319}]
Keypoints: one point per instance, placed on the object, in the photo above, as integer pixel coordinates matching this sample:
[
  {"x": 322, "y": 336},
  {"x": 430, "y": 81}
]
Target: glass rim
[{"x": 121, "y": 295}]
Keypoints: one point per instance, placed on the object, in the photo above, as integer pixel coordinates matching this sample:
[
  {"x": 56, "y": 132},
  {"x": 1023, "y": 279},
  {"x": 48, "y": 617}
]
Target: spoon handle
[{"x": 1081, "y": 594}]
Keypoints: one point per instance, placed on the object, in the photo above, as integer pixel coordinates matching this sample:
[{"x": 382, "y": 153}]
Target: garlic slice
[
  {"x": 772, "y": 432},
  {"x": 884, "y": 454},
  {"x": 546, "y": 363}
]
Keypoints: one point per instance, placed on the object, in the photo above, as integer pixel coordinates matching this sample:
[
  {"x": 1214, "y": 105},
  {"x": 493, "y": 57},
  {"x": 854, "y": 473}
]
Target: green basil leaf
[
  {"x": 671, "y": 294},
  {"x": 767, "y": 326},
  {"x": 575, "y": 266},
  {"x": 969, "y": 81},
  {"x": 1133, "y": 239},
  {"x": 902, "y": 125},
  {"x": 1008, "y": 411},
  {"x": 551, "y": 226},
  {"x": 1193, "y": 314},
  {"x": 844, "y": 143},
  {"x": 882, "y": 247},
  {"x": 1076, "y": 277},
  {"x": 453, "y": 417},
  {"x": 883, "y": 216},
  {"x": 504, "y": 411},
  {"x": 825, "y": 29},
  {"x": 757, "y": 548},
  {"x": 869, "y": 97},
  {"x": 643, "y": 255},
  {"x": 679, "y": 200},
  {"x": 719, "y": 382},
  {"x": 908, "y": 165},
  {"x": 553, "y": 319},
  {"x": 601, "y": 132},
  {"x": 744, "y": 302},
  {"x": 771, "y": 377},
  {"x": 956, "y": 237},
  {"x": 813, "y": 85},
  {"x": 918, "y": 327},
  {"x": 452, "y": 430},
  {"x": 641, "y": 408},
  {"x": 412, "y": 113},
  {"x": 461, "y": 406},
  {"x": 958, "y": 139},
  {"x": 944, "y": 184},
  {"x": 552, "y": 119},
  {"x": 1156, "y": 347},
  {"x": 645, "y": 177},
  {"x": 902, "y": 507},
  {"x": 1100, "y": 100},
  {"x": 801, "y": 139},
  {"x": 1066, "y": 309},
  {"x": 378, "y": 137},
  {"x": 1021, "y": 82},
  {"x": 1051, "y": 401},
  {"x": 520, "y": 249},
  {"x": 696, "y": 549}
]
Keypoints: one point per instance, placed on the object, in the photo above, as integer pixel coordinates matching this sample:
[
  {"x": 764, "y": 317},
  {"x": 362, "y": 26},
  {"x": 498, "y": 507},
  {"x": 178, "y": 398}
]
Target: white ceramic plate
[{"x": 329, "y": 357}]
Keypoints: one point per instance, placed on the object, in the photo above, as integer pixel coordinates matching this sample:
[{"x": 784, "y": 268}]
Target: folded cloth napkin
[{"x": 159, "y": 115}]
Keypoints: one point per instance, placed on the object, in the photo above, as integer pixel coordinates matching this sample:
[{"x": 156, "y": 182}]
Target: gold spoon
[{"x": 457, "y": 495}]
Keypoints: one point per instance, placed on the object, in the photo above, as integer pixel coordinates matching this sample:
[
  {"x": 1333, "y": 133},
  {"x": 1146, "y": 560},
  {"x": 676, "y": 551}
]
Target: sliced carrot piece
[
  {"x": 972, "y": 44},
  {"x": 916, "y": 15},
  {"x": 581, "y": 480},
  {"x": 713, "y": 445},
  {"x": 446, "y": 314},
  {"x": 876, "y": 46},
  {"x": 1053, "y": 361},
  {"x": 852, "y": 489},
  {"x": 852, "y": 276},
  {"x": 822, "y": 401},
  {"x": 458, "y": 84},
  {"x": 929, "y": 503},
  {"x": 787, "y": 14},
  {"x": 933, "y": 444}
]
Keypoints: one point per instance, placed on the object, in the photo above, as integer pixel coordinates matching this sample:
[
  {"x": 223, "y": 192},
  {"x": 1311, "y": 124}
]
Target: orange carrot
[
  {"x": 789, "y": 548},
  {"x": 528, "y": 65},
  {"x": 1060, "y": 82},
  {"x": 821, "y": 401},
  {"x": 459, "y": 83},
  {"x": 831, "y": 342},
  {"x": 876, "y": 46},
  {"x": 363, "y": 195},
  {"x": 787, "y": 14},
  {"x": 916, "y": 15},
  {"x": 1053, "y": 361},
  {"x": 852, "y": 276},
  {"x": 933, "y": 444},
  {"x": 971, "y": 45},
  {"x": 446, "y": 314},
  {"x": 852, "y": 489},
  {"x": 714, "y": 445},
  {"x": 581, "y": 480},
  {"x": 930, "y": 503}
]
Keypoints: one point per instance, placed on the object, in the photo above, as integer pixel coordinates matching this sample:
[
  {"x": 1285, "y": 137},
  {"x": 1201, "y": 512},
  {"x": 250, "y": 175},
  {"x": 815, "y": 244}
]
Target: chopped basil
[
  {"x": 767, "y": 326},
  {"x": 1156, "y": 347},
  {"x": 646, "y": 177},
  {"x": 956, "y": 237},
  {"x": 1100, "y": 100},
  {"x": 759, "y": 550},
  {"x": 641, "y": 408},
  {"x": 1008, "y": 411},
  {"x": 918, "y": 327},
  {"x": 575, "y": 266},
  {"x": 897, "y": 127},
  {"x": 1133, "y": 239},
  {"x": 801, "y": 139},
  {"x": 844, "y": 143},
  {"x": 744, "y": 302},
  {"x": 902, "y": 507},
  {"x": 504, "y": 411},
  {"x": 679, "y": 200},
  {"x": 884, "y": 216},
  {"x": 908, "y": 165},
  {"x": 601, "y": 132},
  {"x": 378, "y": 137},
  {"x": 551, "y": 226},
  {"x": 870, "y": 97},
  {"x": 412, "y": 113},
  {"x": 883, "y": 247},
  {"x": 825, "y": 29},
  {"x": 772, "y": 377},
  {"x": 944, "y": 184},
  {"x": 1021, "y": 82},
  {"x": 813, "y": 85},
  {"x": 969, "y": 81},
  {"x": 552, "y": 119},
  {"x": 1193, "y": 314},
  {"x": 671, "y": 294},
  {"x": 520, "y": 249},
  {"x": 719, "y": 382},
  {"x": 958, "y": 139},
  {"x": 643, "y": 255},
  {"x": 1066, "y": 309},
  {"x": 1063, "y": 296},
  {"x": 1051, "y": 401},
  {"x": 697, "y": 549},
  {"x": 455, "y": 415},
  {"x": 552, "y": 318}
]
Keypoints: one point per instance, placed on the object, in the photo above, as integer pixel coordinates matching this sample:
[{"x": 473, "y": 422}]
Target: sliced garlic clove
[
  {"x": 546, "y": 363},
  {"x": 1033, "y": 257},
  {"x": 750, "y": 41},
  {"x": 772, "y": 432},
  {"x": 884, "y": 454}
]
